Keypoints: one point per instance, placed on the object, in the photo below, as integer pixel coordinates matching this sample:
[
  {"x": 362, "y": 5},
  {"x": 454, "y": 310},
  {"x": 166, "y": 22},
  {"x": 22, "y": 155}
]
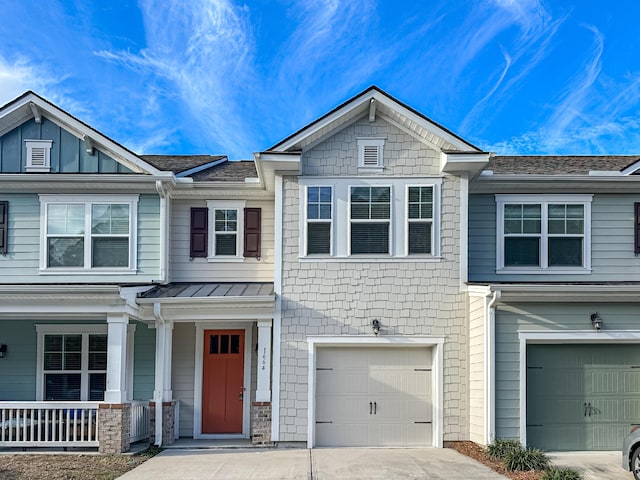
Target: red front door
[{"x": 222, "y": 381}]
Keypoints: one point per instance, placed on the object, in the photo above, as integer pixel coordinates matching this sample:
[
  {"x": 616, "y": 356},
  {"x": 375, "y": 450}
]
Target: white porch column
[
  {"x": 117, "y": 359},
  {"x": 263, "y": 392},
  {"x": 164, "y": 346}
]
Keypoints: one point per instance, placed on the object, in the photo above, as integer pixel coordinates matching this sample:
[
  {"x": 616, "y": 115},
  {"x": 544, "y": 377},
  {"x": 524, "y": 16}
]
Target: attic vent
[
  {"x": 38, "y": 155},
  {"x": 370, "y": 153}
]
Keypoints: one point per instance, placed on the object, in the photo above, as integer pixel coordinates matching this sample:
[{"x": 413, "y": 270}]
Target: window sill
[
  {"x": 543, "y": 271},
  {"x": 225, "y": 259},
  {"x": 372, "y": 259},
  {"x": 362, "y": 169},
  {"x": 87, "y": 271}
]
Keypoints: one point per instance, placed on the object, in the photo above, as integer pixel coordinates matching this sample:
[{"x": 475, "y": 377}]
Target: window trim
[
  {"x": 88, "y": 201},
  {"x": 435, "y": 221},
  {"x": 390, "y": 249},
  {"x": 237, "y": 205},
  {"x": 543, "y": 201},
  {"x": 305, "y": 232}
]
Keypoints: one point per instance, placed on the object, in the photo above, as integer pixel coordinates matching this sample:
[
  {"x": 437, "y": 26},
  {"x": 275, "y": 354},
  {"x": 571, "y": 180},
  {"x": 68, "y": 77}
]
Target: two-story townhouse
[
  {"x": 554, "y": 280},
  {"x": 370, "y": 330},
  {"x": 117, "y": 272}
]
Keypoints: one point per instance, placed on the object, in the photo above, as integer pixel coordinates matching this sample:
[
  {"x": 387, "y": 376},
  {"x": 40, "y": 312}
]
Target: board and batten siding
[
  {"x": 68, "y": 152},
  {"x": 21, "y": 264},
  {"x": 186, "y": 269},
  {"x": 342, "y": 297},
  {"x": 612, "y": 242},
  {"x": 512, "y": 318},
  {"x": 476, "y": 369}
]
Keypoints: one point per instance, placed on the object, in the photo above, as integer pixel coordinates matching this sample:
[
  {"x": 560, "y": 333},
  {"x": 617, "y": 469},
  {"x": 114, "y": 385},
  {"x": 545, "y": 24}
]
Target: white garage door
[{"x": 369, "y": 396}]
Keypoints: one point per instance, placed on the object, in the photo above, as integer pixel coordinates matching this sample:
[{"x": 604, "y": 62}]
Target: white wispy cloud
[{"x": 203, "y": 50}]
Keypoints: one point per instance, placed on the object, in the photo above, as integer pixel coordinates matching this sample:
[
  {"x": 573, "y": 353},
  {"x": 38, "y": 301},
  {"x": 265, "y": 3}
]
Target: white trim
[
  {"x": 435, "y": 221},
  {"x": 390, "y": 220},
  {"x": 277, "y": 315},
  {"x": 543, "y": 201},
  {"x": 88, "y": 201},
  {"x": 304, "y": 221},
  {"x": 45, "y": 145},
  {"x": 238, "y": 206},
  {"x": 341, "y": 218},
  {"x": 364, "y": 142},
  {"x": 65, "y": 329},
  {"x": 197, "y": 381},
  {"x": 463, "y": 230},
  {"x": 527, "y": 337},
  {"x": 437, "y": 343}
]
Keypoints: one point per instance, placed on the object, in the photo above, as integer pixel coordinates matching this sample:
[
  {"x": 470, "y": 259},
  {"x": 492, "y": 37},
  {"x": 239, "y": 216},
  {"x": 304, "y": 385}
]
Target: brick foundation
[
  {"x": 261, "y": 423},
  {"x": 168, "y": 412},
  {"x": 114, "y": 427}
]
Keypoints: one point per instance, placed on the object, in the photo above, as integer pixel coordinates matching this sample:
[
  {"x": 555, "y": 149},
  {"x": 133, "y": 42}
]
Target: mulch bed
[{"x": 478, "y": 453}]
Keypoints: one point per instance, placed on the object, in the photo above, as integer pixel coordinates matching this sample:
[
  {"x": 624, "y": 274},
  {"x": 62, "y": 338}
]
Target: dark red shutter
[
  {"x": 4, "y": 226},
  {"x": 199, "y": 232},
  {"x": 252, "y": 232},
  {"x": 636, "y": 227}
]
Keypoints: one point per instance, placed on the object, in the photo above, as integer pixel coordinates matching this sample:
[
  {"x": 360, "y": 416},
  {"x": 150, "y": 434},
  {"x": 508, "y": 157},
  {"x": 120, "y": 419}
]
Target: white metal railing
[
  {"x": 140, "y": 413},
  {"x": 41, "y": 424}
]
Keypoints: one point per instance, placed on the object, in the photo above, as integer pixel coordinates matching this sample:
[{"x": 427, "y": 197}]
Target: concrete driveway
[
  {"x": 316, "y": 464},
  {"x": 593, "y": 465}
]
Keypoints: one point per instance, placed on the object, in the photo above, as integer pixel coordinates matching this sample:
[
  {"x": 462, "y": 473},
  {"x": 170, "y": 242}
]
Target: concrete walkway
[
  {"x": 593, "y": 465},
  {"x": 316, "y": 464}
]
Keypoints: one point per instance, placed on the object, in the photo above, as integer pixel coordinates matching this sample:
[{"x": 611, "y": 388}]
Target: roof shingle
[{"x": 558, "y": 164}]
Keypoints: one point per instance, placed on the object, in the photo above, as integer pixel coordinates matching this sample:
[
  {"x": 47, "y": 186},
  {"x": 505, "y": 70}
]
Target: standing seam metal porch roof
[{"x": 213, "y": 290}]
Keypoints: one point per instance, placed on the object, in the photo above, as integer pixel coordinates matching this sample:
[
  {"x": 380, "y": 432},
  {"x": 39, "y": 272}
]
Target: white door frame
[
  {"x": 197, "y": 382},
  {"x": 561, "y": 336},
  {"x": 437, "y": 378}
]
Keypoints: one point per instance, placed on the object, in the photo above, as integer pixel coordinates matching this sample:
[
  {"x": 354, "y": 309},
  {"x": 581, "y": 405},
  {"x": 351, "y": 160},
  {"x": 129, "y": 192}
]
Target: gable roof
[
  {"x": 356, "y": 107},
  {"x": 31, "y": 105},
  {"x": 560, "y": 164},
  {"x": 182, "y": 165}
]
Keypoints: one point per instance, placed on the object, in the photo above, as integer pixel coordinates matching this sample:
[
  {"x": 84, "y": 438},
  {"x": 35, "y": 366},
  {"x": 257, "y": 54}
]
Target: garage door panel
[
  {"x": 373, "y": 396},
  {"x": 581, "y": 397}
]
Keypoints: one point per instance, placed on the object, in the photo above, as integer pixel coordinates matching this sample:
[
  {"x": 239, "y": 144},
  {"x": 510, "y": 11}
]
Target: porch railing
[
  {"x": 140, "y": 413},
  {"x": 41, "y": 424}
]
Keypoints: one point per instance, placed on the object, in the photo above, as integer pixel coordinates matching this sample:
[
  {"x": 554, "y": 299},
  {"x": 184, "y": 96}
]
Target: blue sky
[{"x": 226, "y": 77}]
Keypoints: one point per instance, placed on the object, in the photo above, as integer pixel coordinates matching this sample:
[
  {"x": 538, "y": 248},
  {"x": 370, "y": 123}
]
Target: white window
[
  {"x": 370, "y": 219},
  {"x": 80, "y": 234},
  {"x": 537, "y": 234},
  {"x": 38, "y": 155},
  {"x": 319, "y": 215},
  {"x": 72, "y": 362},
  {"x": 420, "y": 220},
  {"x": 226, "y": 241},
  {"x": 371, "y": 153}
]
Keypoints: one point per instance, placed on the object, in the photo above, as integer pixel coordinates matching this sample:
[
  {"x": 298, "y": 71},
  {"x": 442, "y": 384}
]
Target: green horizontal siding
[
  {"x": 144, "y": 362},
  {"x": 22, "y": 261},
  {"x": 510, "y": 319},
  {"x": 68, "y": 152},
  {"x": 612, "y": 242}
]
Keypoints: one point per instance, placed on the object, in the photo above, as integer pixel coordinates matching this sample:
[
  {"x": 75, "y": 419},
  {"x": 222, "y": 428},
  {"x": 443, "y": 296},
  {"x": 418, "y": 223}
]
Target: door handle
[
  {"x": 241, "y": 394},
  {"x": 370, "y": 407},
  {"x": 375, "y": 408},
  {"x": 585, "y": 409}
]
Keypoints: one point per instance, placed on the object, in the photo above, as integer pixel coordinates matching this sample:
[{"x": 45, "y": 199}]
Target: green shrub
[
  {"x": 499, "y": 449},
  {"x": 526, "y": 459},
  {"x": 562, "y": 473}
]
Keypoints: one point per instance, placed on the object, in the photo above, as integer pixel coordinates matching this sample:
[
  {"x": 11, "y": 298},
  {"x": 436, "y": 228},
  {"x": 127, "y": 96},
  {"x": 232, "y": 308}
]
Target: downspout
[
  {"x": 489, "y": 362},
  {"x": 159, "y": 374},
  {"x": 164, "y": 231}
]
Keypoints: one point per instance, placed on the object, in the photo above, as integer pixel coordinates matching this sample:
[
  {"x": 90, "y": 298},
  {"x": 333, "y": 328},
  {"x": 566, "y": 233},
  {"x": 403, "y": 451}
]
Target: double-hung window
[
  {"x": 538, "y": 234},
  {"x": 80, "y": 234},
  {"x": 370, "y": 219},
  {"x": 420, "y": 220},
  {"x": 319, "y": 214},
  {"x": 227, "y": 221},
  {"x": 73, "y": 363}
]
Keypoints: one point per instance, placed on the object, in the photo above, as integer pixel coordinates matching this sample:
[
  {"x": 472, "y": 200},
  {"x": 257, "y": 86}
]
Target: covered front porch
[{"x": 213, "y": 358}]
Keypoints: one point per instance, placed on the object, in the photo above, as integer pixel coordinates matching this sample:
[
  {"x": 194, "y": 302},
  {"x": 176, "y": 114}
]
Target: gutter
[{"x": 164, "y": 230}]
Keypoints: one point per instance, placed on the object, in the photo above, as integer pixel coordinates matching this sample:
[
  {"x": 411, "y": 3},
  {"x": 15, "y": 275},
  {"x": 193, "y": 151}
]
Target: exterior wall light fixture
[
  {"x": 3, "y": 350},
  {"x": 375, "y": 325},
  {"x": 596, "y": 321}
]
